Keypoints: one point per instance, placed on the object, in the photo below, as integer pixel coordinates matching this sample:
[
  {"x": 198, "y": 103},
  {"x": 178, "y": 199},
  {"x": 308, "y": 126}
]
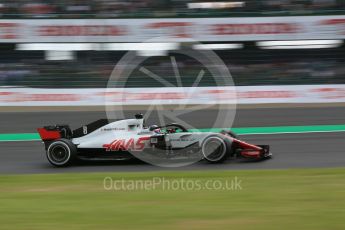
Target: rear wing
[
  {"x": 50, "y": 133},
  {"x": 53, "y": 132}
]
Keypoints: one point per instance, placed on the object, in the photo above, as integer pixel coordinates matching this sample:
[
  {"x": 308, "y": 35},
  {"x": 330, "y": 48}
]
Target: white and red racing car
[{"x": 126, "y": 139}]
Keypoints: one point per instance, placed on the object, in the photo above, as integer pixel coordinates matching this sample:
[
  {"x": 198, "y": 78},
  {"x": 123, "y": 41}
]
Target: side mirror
[{"x": 153, "y": 127}]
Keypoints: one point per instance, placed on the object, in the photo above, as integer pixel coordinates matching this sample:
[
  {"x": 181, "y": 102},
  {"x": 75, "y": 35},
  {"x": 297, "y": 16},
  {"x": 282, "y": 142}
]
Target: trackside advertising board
[
  {"x": 173, "y": 30},
  {"x": 171, "y": 96}
]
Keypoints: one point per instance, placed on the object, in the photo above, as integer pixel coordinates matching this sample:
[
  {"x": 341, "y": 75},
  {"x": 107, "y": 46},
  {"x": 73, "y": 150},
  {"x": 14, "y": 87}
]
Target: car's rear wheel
[
  {"x": 61, "y": 152},
  {"x": 215, "y": 149}
]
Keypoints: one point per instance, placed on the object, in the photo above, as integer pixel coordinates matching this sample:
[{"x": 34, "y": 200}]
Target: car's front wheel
[
  {"x": 61, "y": 152},
  {"x": 215, "y": 149}
]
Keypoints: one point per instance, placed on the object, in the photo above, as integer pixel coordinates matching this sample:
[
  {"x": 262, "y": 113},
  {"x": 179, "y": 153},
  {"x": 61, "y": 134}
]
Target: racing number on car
[
  {"x": 84, "y": 130},
  {"x": 130, "y": 144}
]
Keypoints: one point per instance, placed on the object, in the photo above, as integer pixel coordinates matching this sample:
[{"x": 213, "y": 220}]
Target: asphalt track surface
[{"x": 306, "y": 150}]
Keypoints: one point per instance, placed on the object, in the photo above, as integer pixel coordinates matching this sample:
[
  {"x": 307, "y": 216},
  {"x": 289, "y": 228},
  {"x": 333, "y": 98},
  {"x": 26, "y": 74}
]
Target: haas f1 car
[{"x": 126, "y": 139}]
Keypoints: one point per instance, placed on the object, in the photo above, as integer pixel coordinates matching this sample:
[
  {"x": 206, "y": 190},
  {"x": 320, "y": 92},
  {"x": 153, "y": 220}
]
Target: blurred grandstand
[
  {"x": 248, "y": 66},
  {"x": 164, "y": 8},
  {"x": 248, "y": 63}
]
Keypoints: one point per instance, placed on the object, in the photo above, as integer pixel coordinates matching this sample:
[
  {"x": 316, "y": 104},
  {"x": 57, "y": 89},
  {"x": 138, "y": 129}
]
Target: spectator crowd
[
  {"x": 92, "y": 69},
  {"x": 161, "y": 8}
]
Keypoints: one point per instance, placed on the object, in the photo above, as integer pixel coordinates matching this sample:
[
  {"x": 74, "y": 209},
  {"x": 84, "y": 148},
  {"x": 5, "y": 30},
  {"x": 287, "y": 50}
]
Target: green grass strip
[
  {"x": 243, "y": 131},
  {"x": 310, "y": 199}
]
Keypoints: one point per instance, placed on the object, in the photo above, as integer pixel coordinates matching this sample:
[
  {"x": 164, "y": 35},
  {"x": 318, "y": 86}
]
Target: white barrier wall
[
  {"x": 177, "y": 30},
  {"x": 147, "y": 96}
]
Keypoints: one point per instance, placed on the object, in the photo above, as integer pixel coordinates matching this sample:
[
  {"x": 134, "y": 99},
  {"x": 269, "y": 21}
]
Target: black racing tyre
[
  {"x": 215, "y": 149},
  {"x": 229, "y": 133},
  {"x": 61, "y": 153}
]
